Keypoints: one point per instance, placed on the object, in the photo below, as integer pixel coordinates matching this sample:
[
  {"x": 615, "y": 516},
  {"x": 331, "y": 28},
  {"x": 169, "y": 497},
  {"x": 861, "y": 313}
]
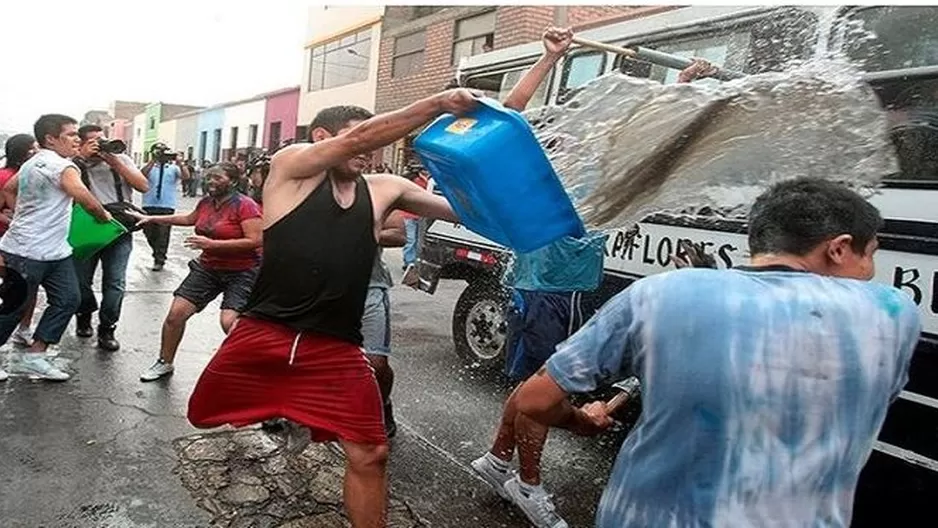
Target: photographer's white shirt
[{"x": 43, "y": 213}]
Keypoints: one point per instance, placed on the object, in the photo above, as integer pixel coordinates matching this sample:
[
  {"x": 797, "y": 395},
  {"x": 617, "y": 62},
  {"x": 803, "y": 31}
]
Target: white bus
[{"x": 901, "y": 64}]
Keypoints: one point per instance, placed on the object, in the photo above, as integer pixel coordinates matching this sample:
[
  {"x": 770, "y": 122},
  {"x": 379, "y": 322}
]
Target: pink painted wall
[{"x": 281, "y": 106}]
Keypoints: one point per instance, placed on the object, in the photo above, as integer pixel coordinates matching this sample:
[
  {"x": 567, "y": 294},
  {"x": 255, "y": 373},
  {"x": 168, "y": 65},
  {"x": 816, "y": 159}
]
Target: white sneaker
[
  {"x": 492, "y": 475},
  {"x": 3, "y": 375},
  {"x": 22, "y": 337},
  {"x": 157, "y": 371},
  {"x": 36, "y": 366},
  {"x": 539, "y": 508}
]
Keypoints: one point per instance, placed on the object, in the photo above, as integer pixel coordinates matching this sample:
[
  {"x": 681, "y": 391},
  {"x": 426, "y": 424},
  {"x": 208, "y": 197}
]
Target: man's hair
[
  {"x": 17, "y": 150},
  {"x": 336, "y": 118},
  {"x": 51, "y": 125},
  {"x": 227, "y": 168},
  {"x": 87, "y": 130},
  {"x": 794, "y": 216}
]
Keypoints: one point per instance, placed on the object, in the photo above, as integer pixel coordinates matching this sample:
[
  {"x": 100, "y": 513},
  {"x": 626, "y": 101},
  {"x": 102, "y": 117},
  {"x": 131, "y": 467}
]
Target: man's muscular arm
[
  {"x": 408, "y": 196},
  {"x": 308, "y": 160},
  {"x": 392, "y": 232}
]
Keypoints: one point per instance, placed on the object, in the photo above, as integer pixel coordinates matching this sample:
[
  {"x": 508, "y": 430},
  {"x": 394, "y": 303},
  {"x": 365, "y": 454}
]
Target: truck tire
[{"x": 480, "y": 323}]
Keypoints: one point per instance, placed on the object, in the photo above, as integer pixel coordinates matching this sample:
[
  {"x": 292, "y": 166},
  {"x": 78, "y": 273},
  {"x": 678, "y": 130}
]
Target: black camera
[
  {"x": 111, "y": 146},
  {"x": 162, "y": 153}
]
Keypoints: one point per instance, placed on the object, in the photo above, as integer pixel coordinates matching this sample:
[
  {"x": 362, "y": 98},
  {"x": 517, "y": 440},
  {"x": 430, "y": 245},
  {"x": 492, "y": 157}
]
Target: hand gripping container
[
  {"x": 495, "y": 174},
  {"x": 87, "y": 236}
]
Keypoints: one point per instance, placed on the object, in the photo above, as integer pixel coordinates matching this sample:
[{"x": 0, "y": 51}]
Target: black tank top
[{"x": 316, "y": 265}]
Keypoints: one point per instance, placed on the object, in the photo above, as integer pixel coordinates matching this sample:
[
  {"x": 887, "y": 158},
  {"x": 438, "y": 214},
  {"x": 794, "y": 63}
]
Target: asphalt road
[{"x": 97, "y": 451}]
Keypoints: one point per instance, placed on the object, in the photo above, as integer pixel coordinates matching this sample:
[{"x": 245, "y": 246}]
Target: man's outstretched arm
[
  {"x": 308, "y": 160},
  {"x": 556, "y": 43}
]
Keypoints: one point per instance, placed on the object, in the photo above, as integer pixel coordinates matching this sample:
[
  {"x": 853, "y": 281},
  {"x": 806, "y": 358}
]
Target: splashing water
[{"x": 626, "y": 148}]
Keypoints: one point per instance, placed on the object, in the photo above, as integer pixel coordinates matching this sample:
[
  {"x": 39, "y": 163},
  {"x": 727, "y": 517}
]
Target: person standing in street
[
  {"x": 297, "y": 351},
  {"x": 19, "y": 148},
  {"x": 111, "y": 178},
  {"x": 228, "y": 231},
  {"x": 764, "y": 387},
  {"x": 412, "y": 223},
  {"x": 36, "y": 243},
  {"x": 550, "y": 301},
  {"x": 163, "y": 178}
]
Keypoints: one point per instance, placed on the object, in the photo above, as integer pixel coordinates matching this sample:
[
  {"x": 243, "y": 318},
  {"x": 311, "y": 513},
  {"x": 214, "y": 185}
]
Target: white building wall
[
  {"x": 166, "y": 133},
  {"x": 243, "y": 116},
  {"x": 328, "y": 21},
  {"x": 139, "y": 135}
]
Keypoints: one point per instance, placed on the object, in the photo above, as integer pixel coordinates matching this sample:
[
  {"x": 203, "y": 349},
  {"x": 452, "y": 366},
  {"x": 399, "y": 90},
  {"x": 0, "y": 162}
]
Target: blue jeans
[
  {"x": 410, "y": 248},
  {"x": 58, "y": 279},
  {"x": 113, "y": 259}
]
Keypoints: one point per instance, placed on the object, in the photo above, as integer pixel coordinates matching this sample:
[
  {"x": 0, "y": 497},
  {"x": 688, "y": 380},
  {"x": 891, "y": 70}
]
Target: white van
[{"x": 901, "y": 62}]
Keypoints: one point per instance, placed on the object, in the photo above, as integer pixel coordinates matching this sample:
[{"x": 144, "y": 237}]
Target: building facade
[
  {"x": 341, "y": 60},
  {"x": 138, "y": 126},
  {"x": 210, "y": 124},
  {"x": 242, "y": 127},
  {"x": 187, "y": 134},
  {"x": 421, "y": 45},
  {"x": 280, "y": 116}
]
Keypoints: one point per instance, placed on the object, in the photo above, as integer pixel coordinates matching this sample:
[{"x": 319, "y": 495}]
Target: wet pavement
[{"x": 105, "y": 450}]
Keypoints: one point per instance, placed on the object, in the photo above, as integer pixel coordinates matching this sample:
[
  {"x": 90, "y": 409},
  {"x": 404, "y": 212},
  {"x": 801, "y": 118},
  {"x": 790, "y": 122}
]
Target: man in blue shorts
[
  {"x": 548, "y": 306},
  {"x": 764, "y": 387}
]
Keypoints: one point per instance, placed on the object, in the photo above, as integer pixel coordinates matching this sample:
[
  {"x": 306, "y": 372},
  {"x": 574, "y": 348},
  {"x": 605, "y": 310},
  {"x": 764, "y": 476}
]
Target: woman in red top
[
  {"x": 228, "y": 231},
  {"x": 19, "y": 148}
]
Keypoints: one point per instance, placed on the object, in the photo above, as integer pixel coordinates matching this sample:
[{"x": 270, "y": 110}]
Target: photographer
[
  {"x": 111, "y": 177},
  {"x": 163, "y": 176}
]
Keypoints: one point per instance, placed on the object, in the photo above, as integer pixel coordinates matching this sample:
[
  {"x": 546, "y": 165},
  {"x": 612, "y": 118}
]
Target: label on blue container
[{"x": 461, "y": 125}]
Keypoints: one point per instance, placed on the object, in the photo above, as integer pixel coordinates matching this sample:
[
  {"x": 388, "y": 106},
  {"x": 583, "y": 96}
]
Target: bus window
[
  {"x": 892, "y": 38},
  {"x": 511, "y": 78},
  {"x": 912, "y": 109},
  {"x": 580, "y": 69},
  {"x": 728, "y": 49},
  {"x": 498, "y": 85}
]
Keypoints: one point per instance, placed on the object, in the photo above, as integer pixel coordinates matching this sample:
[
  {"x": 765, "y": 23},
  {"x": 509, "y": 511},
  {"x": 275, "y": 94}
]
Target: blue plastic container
[{"x": 491, "y": 168}]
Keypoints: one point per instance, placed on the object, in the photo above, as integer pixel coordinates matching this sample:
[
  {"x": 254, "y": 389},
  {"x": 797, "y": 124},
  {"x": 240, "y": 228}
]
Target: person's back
[{"x": 763, "y": 391}]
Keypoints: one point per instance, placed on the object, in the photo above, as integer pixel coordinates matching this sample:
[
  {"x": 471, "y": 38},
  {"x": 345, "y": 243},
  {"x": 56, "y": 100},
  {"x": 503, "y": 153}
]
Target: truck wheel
[{"x": 480, "y": 323}]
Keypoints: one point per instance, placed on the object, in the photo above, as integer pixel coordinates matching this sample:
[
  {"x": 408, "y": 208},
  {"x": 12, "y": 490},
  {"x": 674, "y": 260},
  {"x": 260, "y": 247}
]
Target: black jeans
[
  {"x": 158, "y": 235},
  {"x": 113, "y": 259},
  {"x": 58, "y": 278}
]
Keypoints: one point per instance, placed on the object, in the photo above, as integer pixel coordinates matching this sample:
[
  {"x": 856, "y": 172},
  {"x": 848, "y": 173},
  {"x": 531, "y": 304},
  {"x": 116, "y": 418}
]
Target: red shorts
[{"x": 266, "y": 370}]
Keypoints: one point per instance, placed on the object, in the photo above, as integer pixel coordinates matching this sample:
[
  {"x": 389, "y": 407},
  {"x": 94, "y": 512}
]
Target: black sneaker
[
  {"x": 157, "y": 266},
  {"x": 390, "y": 426},
  {"x": 83, "y": 326},
  {"x": 106, "y": 339}
]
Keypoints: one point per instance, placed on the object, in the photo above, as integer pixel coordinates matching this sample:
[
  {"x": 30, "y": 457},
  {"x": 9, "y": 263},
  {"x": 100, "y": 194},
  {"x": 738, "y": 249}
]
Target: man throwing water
[{"x": 297, "y": 351}]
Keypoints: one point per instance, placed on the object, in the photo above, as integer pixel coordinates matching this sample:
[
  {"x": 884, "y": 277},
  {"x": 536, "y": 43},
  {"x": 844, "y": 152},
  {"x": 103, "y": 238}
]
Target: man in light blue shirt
[
  {"x": 764, "y": 387},
  {"x": 163, "y": 176}
]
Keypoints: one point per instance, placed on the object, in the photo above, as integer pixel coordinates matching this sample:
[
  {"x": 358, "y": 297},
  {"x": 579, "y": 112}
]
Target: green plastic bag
[{"x": 87, "y": 236}]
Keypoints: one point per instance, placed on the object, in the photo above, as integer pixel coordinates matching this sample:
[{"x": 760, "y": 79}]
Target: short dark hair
[
  {"x": 50, "y": 125},
  {"x": 794, "y": 216},
  {"x": 336, "y": 118},
  {"x": 86, "y": 130},
  {"x": 17, "y": 150}
]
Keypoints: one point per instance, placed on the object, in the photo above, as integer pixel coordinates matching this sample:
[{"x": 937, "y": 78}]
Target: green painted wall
[{"x": 151, "y": 127}]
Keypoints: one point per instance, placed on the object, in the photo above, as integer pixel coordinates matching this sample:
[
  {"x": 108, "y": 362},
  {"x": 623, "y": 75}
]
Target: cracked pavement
[{"x": 104, "y": 450}]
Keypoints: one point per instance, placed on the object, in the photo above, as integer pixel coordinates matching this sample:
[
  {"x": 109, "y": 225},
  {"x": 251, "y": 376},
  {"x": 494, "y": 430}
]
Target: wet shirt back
[
  {"x": 43, "y": 214},
  {"x": 221, "y": 220},
  {"x": 317, "y": 265},
  {"x": 760, "y": 409}
]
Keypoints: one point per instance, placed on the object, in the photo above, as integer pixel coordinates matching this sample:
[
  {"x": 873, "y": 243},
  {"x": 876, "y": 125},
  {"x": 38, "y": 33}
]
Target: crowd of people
[{"x": 763, "y": 387}]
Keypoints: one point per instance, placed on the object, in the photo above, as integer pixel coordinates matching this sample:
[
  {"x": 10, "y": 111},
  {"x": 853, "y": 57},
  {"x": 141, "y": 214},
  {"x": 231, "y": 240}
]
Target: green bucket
[{"x": 87, "y": 236}]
